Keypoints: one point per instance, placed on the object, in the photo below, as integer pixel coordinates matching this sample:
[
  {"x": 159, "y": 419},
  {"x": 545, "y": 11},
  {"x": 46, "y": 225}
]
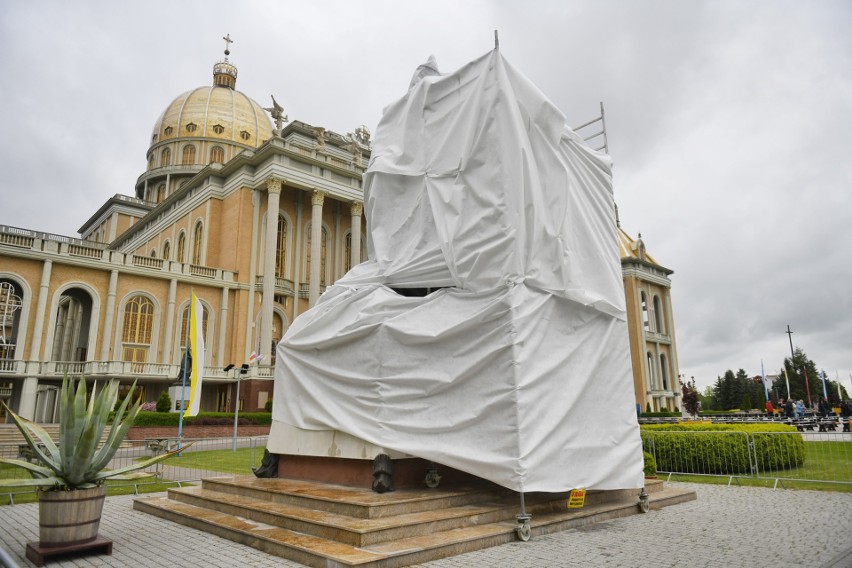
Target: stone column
[
  {"x": 170, "y": 322},
  {"x": 26, "y": 408},
  {"x": 273, "y": 190},
  {"x": 317, "y": 199},
  {"x": 357, "y": 209},
  {"x": 223, "y": 325},
  {"x": 109, "y": 316}
]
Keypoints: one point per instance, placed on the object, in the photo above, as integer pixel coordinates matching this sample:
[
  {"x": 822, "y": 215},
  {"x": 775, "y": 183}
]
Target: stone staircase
[
  {"x": 323, "y": 525},
  {"x": 11, "y": 438}
]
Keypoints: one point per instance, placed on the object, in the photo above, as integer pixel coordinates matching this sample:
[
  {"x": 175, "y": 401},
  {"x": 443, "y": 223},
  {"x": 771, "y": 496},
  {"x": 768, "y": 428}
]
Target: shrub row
[
  {"x": 722, "y": 449},
  {"x": 203, "y": 419}
]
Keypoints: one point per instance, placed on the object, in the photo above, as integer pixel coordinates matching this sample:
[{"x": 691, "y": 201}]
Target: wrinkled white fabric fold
[{"x": 517, "y": 371}]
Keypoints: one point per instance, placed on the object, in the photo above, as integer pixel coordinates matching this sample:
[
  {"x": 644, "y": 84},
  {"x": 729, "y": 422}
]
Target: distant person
[
  {"x": 800, "y": 409},
  {"x": 846, "y": 414},
  {"x": 788, "y": 408},
  {"x": 770, "y": 411},
  {"x": 824, "y": 408}
]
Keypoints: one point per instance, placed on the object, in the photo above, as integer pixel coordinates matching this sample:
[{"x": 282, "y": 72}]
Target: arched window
[
  {"x": 181, "y": 247},
  {"x": 651, "y": 376},
  {"x": 323, "y": 256},
  {"x": 151, "y": 162},
  {"x": 281, "y": 248},
  {"x": 664, "y": 371},
  {"x": 217, "y": 154},
  {"x": 184, "y": 326},
  {"x": 188, "y": 155},
  {"x": 658, "y": 315},
  {"x": 153, "y": 253},
  {"x": 196, "y": 243},
  {"x": 167, "y": 250},
  {"x": 137, "y": 329},
  {"x": 10, "y": 314},
  {"x": 166, "y": 157},
  {"x": 645, "y": 320},
  {"x": 161, "y": 193}
]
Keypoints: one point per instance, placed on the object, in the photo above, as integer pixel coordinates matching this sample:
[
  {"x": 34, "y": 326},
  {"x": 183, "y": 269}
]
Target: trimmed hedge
[
  {"x": 709, "y": 450},
  {"x": 650, "y": 467},
  {"x": 203, "y": 419}
]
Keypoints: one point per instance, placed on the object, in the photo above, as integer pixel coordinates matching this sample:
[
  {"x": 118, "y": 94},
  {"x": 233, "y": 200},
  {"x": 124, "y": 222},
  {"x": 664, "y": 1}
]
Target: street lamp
[{"x": 237, "y": 375}]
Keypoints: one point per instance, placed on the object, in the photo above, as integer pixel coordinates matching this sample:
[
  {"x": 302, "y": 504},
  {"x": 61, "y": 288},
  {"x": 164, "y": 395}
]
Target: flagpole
[
  {"x": 183, "y": 386},
  {"x": 807, "y": 386},
  {"x": 787, "y": 378}
]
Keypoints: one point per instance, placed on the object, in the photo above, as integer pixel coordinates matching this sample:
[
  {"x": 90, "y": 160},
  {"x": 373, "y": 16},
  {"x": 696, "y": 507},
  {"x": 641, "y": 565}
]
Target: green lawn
[
  {"x": 29, "y": 494},
  {"x": 221, "y": 461},
  {"x": 827, "y": 464}
]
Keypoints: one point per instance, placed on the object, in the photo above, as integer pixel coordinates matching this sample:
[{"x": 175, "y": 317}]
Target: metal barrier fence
[
  {"x": 205, "y": 457},
  {"x": 820, "y": 457}
]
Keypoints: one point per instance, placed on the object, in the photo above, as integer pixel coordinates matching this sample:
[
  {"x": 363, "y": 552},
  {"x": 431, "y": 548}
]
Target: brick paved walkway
[{"x": 745, "y": 527}]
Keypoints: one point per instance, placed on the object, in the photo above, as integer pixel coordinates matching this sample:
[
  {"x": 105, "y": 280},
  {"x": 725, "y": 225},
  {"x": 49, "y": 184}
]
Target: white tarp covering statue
[{"x": 515, "y": 365}]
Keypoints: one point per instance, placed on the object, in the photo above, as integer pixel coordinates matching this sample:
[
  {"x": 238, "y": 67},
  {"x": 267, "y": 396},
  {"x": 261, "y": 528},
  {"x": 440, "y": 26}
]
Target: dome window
[
  {"x": 218, "y": 129},
  {"x": 217, "y": 154},
  {"x": 191, "y": 127},
  {"x": 154, "y": 138},
  {"x": 166, "y": 158},
  {"x": 168, "y": 131},
  {"x": 188, "y": 155},
  {"x": 245, "y": 135}
]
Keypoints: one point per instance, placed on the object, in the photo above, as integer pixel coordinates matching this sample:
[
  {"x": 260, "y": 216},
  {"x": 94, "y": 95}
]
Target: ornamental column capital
[
  {"x": 317, "y": 197},
  {"x": 357, "y": 209},
  {"x": 273, "y": 184}
]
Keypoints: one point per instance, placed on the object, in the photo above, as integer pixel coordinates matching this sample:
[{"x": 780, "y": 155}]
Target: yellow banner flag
[{"x": 196, "y": 350}]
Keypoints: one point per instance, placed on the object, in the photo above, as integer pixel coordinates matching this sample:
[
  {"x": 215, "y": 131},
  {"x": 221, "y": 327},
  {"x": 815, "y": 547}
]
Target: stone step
[
  {"x": 363, "y": 531},
  {"x": 322, "y": 538},
  {"x": 356, "y": 502}
]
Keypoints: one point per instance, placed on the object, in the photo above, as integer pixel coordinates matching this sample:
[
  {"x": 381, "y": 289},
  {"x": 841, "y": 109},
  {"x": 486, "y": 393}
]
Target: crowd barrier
[
  {"x": 203, "y": 457},
  {"x": 820, "y": 457}
]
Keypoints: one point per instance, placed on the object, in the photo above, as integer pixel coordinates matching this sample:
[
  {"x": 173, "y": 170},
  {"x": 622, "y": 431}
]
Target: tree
[
  {"x": 795, "y": 369},
  {"x": 708, "y": 400},
  {"x": 691, "y": 400},
  {"x": 164, "y": 403}
]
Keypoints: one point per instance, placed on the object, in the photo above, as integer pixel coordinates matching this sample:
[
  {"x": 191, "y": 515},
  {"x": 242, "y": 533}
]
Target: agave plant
[{"x": 79, "y": 461}]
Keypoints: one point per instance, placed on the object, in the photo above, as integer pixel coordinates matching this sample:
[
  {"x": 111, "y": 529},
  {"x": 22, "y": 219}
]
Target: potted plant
[{"x": 71, "y": 476}]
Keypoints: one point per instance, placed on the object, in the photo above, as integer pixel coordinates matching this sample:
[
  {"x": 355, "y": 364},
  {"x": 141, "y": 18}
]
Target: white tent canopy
[{"x": 516, "y": 369}]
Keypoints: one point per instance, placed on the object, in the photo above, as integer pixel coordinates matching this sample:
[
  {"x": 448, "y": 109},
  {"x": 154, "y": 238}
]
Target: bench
[
  {"x": 161, "y": 445},
  {"x": 25, "y": 452}
]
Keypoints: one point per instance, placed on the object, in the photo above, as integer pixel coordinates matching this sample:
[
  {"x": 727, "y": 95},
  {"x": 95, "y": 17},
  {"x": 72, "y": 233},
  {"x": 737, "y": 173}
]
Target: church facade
[{"x": 256, "y": 218}]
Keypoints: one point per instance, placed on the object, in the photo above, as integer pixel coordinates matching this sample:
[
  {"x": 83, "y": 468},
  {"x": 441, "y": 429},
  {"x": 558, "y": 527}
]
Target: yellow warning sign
[{"x": 577, "y": 498}]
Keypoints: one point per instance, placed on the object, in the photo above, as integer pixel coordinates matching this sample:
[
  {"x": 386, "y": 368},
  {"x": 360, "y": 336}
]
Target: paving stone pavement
[{"x": 747, "y": 527}]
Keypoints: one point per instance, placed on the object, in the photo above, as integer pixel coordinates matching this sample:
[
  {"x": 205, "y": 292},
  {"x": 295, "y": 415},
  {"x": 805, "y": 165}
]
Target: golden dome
[{"x": 219, "y": 113}]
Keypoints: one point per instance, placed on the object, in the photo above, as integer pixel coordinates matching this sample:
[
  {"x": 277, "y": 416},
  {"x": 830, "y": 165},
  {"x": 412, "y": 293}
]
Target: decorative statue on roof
[{"x": 276, "y": 111}]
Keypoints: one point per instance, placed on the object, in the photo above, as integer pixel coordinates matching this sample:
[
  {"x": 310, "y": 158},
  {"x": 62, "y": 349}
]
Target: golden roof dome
[
  {"x": 214, "y": 112},
  {"x": 217, "y": 112}
]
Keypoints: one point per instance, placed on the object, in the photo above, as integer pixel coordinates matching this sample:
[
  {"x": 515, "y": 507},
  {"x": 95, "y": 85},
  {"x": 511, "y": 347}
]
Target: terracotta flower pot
[{"x": 70, "y": 517}]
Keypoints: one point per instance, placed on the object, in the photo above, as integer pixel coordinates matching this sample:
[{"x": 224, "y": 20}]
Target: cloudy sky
[{"x": 729, "y": 124}]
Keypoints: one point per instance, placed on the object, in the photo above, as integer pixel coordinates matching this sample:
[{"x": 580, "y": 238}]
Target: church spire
[{"x": 224, "y": 72}]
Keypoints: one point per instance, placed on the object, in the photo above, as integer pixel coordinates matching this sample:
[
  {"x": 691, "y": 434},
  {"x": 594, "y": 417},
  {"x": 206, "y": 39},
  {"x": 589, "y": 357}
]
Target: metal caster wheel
[
  {"x": 644, "y": 502},
  {"x": 523, "y": 530},
  {"x": 432, "y": 479}
]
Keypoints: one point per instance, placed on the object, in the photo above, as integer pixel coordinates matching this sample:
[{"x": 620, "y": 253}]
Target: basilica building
[{"x": 256, "y": 216}]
